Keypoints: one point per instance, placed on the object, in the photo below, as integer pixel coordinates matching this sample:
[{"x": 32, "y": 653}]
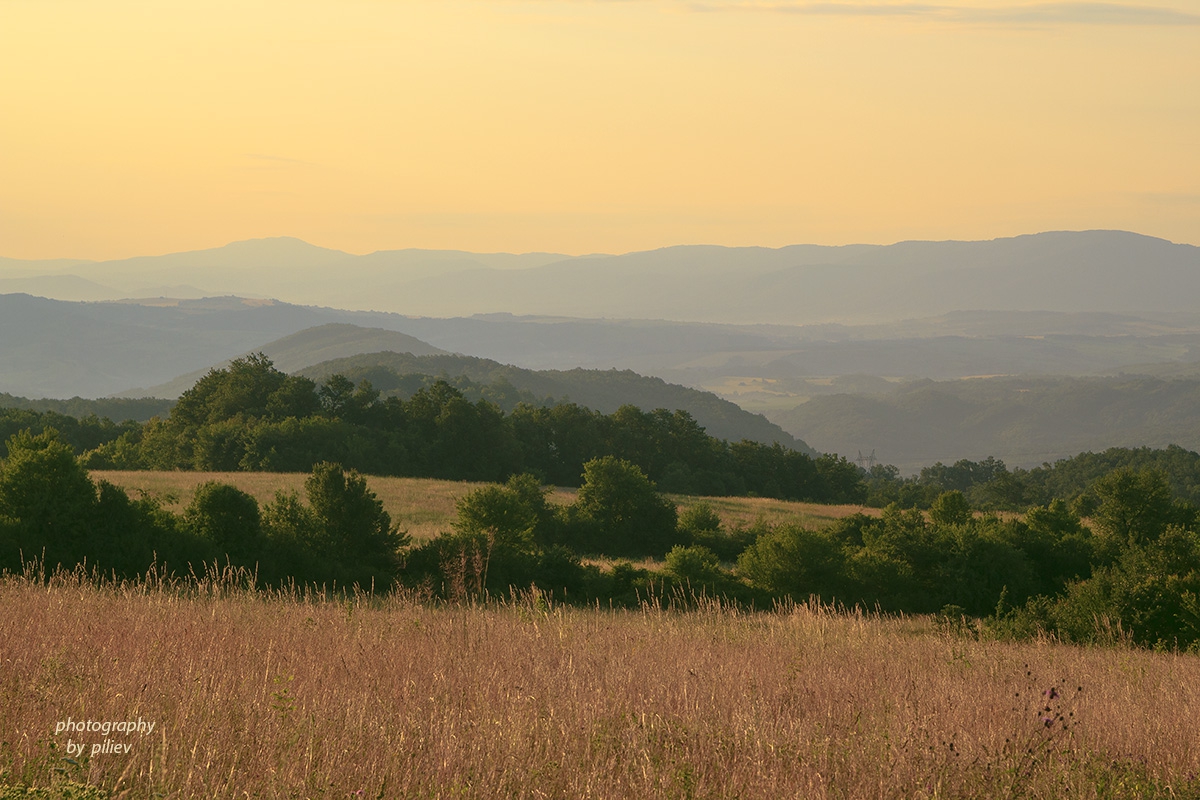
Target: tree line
[
  {"x": 251, "y": 416},
  {"x": 991, "y": 485},
  {"x": 1107, "y": 547},
  {"x": 1131, "y": 573}
]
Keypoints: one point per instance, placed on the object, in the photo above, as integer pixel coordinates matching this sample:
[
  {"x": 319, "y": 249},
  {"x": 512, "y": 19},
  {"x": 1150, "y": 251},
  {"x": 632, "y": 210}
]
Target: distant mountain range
[
  {"x": 848, "y": 329},
  {"x": 1090, "y": 271},
  {"x": 50, "y": 348}
]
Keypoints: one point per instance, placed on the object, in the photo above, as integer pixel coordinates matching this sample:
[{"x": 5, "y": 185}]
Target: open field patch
[{"x": 425, "y": 506}]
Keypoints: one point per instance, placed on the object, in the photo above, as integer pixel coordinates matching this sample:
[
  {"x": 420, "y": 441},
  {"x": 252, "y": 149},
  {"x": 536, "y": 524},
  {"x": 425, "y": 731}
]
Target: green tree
[
  {"x": 228, "y": 518},
  {"x": 796, "y": 562},
  {"x": 1056, "y": 543},
  {"x": 632, "y": 517},
  {"x": 244, "y": 388},
  {"x": 700, "y": 521},
  {"x": 295, "y": 397},
  {"x": 355, "y": 528},
  {"x": 1135, "y": 507},
  {"x": 950, "y": 508},
  {"x": 513, "y": 515},
  {"x": 694, "y": 564},
  {"x": 47, "y": 497}
]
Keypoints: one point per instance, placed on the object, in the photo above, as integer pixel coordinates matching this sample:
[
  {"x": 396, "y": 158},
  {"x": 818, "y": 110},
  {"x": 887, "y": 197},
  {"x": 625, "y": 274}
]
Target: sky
[{"x": 139, "y": 127}]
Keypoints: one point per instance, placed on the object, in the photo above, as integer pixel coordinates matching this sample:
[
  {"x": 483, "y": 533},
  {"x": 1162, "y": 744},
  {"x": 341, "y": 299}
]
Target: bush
[
  {"x": 228, "y": 518},
  {"x": 515, "y": 514},
  {"x": 560, "y": 572},
  {"x": 950, "y": 508},
  {"x": 465, "y": 565},
  {"x": 795, "y": 562},
  {"x": 634, "y": 520},
  {"x": 694, "y": 564},
  {"x": 47, "y": 498},
  {"x": 352, "y": 525}
]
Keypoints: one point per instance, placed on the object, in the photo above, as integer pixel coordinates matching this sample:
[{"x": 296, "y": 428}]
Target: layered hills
[
  {"x": 1089, "y": 271},
  {"x": 837, "y": 345},
  {"x": 1025, "y": 421}
]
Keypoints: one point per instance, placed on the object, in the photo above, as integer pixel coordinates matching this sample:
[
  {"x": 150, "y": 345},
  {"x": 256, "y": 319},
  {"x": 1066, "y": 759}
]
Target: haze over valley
[{"x": 792, "y": 334}]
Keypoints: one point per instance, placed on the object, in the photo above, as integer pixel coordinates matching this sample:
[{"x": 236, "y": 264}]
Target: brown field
[
  {"x": 746, "y": 510},
  {"x": 425, "y": 507},
  {"x": 254, "y": 696}
]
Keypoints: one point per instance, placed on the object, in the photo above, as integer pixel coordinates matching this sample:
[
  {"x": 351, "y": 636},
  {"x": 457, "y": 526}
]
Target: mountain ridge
[{"x": 1082, "y": 271}]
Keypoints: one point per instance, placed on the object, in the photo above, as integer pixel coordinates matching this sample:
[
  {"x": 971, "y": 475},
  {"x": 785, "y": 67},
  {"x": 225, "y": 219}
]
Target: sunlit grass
[
  {"x": 745, "y": 511},
  {"x": 272, "y": 697}
]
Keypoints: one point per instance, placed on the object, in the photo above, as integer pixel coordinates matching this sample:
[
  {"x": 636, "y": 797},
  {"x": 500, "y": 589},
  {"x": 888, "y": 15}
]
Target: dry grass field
[
  {"x": 425, "y": 507},
  {"x": 259, "y": 696}
]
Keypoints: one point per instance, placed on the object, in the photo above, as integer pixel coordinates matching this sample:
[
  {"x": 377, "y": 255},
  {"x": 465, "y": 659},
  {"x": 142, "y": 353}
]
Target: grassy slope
[
  {"x": 425, "y": 507},
  {"x": 261, "y": 697}
]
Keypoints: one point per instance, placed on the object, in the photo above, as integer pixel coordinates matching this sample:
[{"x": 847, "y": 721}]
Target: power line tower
[{"x": 866, "y": 462}]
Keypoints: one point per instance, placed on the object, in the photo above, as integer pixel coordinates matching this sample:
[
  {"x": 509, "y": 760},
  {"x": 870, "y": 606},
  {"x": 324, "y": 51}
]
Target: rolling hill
[
  {"x": 1025, "y": 421},
  {"x": 602, "y": 390},
  {"x": 310, "y": 346}
]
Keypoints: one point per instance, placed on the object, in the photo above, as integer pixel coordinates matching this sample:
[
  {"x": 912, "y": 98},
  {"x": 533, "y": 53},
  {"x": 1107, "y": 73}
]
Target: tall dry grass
[{"x": 271, "y": 696}]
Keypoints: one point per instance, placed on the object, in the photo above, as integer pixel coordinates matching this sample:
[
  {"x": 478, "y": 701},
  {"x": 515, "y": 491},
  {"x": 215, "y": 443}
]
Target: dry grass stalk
[{"x": 293, "y": 697}]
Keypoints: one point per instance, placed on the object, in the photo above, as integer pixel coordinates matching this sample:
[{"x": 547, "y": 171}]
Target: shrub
[
  {"x": 47, "y": 497},
  {"x": 950, "y": 508},
  {"x": 227, "y": 517},
  {"x": 694, "y": 564},
  {"x": 516, "y": 513},
  {"x": 353, "y": 527},
  {"x": 796, "y": 562},
  {"x": 633, "y": 518}
]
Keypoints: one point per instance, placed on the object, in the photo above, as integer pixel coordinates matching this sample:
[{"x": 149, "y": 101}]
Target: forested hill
[
  {"x": 117, "y": 409},
  {"x": 251, "y": 416},
  {"x": 601, "y": 390},
  {"x": 1023, "y": 420},
  {"x": 309, "y": 346}
]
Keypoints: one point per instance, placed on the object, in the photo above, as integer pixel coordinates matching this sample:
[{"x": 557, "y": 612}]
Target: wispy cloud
[{"x": 1026, "y": 14}]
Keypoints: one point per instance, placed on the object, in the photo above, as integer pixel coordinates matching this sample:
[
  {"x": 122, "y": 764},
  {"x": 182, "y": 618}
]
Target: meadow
[
  {"x": 425, "y": 507},
  {"x": 273, "y": 696}
]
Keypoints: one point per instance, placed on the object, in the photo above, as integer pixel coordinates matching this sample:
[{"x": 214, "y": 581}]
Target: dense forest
[
  {"x": 1107, "y": 548},
  {"x": 603, "y": 390},
  {"x": 252, "y": 416}
]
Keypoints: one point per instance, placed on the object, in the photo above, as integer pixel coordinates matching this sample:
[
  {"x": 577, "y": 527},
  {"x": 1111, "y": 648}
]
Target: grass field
[
  {"x": 425, "y": 507},
  {"x": 254, "y": 696}
]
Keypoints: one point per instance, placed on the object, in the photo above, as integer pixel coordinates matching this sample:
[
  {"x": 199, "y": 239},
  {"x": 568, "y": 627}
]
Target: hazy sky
[{"x": 134, "y": 128}]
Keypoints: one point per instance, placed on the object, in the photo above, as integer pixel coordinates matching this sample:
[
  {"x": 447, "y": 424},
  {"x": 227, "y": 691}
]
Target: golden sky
[{"x": 137, "y": 127}]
